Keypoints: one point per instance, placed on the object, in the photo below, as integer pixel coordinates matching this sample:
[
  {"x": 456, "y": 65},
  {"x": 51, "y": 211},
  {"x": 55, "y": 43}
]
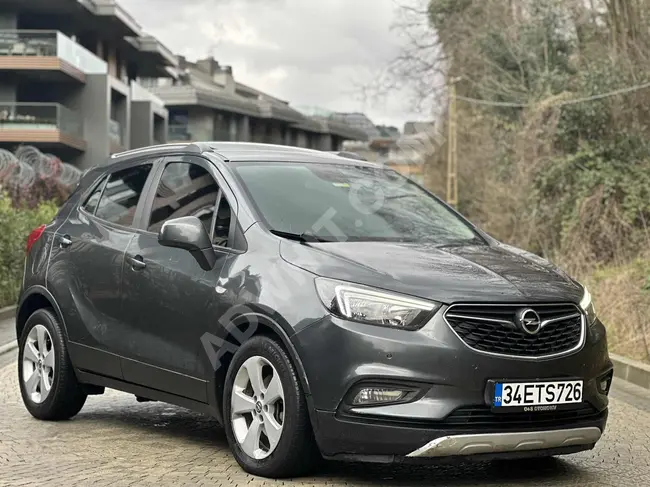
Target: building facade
[
  {"x": 205, "y": 102},
  {"x": 68, "y": 79},
  {"x": 79, "y": 79}
]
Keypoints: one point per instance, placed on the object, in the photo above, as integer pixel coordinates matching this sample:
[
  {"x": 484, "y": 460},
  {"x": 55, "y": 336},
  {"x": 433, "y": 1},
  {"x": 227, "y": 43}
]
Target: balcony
[
  {"x": 44, "y": 124},
  {"x": 39, "y": 51}
]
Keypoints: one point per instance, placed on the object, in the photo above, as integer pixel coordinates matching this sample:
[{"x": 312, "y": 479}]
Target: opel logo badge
[{"x": 529, "y": 321}]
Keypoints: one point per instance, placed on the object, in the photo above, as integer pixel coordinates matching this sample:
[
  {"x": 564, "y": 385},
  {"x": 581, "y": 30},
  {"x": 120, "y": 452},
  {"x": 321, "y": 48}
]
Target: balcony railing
[
  {"x": 40, "y": 116},
  {"x": 50, "y": 44},
  {"x": 115, "y": 132}
]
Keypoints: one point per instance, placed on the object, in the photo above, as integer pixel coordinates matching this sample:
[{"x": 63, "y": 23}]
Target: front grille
[
  {"x": 493, "y": 329},
  {"x": 482, "y": 416}
]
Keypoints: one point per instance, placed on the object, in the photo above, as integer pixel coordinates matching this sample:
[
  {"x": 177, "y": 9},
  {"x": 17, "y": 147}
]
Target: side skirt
[{"x": 145, "y": 392}]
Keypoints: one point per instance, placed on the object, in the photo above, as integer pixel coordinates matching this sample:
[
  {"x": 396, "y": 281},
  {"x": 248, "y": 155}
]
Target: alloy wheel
[
  {"x": 257, "y": 407},
  {"x": 38, "y": 364}
]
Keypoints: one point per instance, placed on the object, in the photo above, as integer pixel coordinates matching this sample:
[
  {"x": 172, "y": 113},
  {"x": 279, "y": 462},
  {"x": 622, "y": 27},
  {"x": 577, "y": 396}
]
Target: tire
[
  {"x": 295, "y": 453},
  {"x": 65, "y": 397}
]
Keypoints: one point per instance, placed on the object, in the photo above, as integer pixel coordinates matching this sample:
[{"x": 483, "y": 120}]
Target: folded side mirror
[{"x": 188, "y": 233}]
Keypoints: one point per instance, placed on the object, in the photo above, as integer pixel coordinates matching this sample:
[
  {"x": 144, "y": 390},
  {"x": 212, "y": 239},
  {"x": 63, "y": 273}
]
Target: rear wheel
[
  {"x": 265, "y": 412},
  {"x": 48, "y": 384}
]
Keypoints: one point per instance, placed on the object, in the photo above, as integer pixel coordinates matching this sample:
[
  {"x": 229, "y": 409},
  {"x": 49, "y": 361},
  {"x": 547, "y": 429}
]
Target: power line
[{"x": 574, "y": 101}]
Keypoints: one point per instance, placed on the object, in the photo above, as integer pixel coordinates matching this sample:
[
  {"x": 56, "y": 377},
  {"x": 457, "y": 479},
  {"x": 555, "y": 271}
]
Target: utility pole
[{"x": 452, "y": 153}]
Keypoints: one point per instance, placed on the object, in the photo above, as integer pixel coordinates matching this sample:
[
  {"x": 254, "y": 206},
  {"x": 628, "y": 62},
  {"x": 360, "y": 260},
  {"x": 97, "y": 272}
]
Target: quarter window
[
  {"x": 91, "y": 203},
  {"x": 120, "y": 198}
]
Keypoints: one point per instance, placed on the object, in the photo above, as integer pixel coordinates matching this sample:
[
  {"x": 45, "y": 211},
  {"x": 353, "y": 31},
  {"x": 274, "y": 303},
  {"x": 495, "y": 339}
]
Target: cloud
[{"x": 309, "y": 52}]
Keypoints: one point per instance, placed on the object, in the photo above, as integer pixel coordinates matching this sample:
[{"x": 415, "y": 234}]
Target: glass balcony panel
[{"x": 40, "y": 116}]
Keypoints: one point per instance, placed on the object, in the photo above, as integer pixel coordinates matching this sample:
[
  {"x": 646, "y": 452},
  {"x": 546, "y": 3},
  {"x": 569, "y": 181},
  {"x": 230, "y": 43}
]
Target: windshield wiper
[
  {"x": 400, "y": 196},
  {"x": 304, "y": 237}
]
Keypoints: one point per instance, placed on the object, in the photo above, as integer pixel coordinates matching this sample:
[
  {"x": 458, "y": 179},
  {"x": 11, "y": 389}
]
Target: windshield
[{"x": 334, "y": 202}]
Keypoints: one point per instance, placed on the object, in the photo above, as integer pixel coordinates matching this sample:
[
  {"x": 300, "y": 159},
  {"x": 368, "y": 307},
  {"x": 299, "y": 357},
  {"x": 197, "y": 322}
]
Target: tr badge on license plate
[{"x": 536, "y": 396}]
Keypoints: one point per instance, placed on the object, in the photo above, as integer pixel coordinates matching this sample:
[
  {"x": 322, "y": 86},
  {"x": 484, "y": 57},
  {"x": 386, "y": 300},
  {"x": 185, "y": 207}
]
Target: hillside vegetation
[{"x": 553, "y": 136}]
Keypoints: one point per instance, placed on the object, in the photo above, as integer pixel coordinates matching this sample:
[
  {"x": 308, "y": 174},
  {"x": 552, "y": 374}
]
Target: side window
[
  {"x": 222, "y": 223},
  {"x": 185, "y": 189},
  {"x": 120, "y": 198},
  {"x": 91, "y": 203}
]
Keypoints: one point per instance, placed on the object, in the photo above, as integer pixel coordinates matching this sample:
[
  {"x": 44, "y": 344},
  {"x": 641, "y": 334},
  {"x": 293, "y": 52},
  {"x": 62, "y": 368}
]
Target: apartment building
[
  {"x": 205, "y": 102},
  {"x": 69, "y": 73}
]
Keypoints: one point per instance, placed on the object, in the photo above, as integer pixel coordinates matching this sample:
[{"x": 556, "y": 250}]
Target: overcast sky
[{"x": 308, "y": 52}]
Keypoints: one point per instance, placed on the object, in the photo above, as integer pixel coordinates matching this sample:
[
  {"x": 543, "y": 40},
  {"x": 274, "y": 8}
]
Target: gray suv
[{"x": 316, "y": 305}]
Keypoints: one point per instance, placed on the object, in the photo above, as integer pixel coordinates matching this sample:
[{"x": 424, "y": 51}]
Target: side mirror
[{"x": 188, "y": 233}]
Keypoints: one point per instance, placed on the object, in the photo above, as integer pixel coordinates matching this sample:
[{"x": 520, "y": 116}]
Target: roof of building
[{"x": 206, "y": 83}]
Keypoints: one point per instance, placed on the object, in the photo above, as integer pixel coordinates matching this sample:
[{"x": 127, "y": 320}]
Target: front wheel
[{"x": 265, "y": 412}]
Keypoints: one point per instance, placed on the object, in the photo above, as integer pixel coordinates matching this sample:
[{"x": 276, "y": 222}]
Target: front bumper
[
  {"x": 350, "y": 438},
  {"x": 338, "y": 356}
]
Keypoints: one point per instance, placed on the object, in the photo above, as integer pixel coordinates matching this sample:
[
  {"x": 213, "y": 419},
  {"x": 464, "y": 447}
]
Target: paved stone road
[
  {"x": 117, "y": 441},
  {"x": 7, "y": 331}
]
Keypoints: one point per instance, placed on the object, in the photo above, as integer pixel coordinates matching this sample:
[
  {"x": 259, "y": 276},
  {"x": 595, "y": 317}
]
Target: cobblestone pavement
[
  {"x": 117, "y": 441},
  {"x": 7, "y": 331}
]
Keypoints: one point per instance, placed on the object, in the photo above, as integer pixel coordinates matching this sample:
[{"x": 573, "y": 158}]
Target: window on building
[{"x": 122, "y": 194}]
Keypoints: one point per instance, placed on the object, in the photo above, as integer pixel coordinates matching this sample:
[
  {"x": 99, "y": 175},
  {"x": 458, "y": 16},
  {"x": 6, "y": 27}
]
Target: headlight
[
  {"x": 374, "y": 306},
  {"x": 588, "y": 306}
]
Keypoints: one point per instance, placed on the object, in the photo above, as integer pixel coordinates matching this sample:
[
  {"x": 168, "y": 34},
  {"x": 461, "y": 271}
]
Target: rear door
[
  {"x": 85, "y": 271},
  {"x": 168, "y": 300}
]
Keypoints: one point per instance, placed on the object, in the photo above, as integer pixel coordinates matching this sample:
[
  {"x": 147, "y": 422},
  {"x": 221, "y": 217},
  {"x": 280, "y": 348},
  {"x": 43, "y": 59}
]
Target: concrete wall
[
  {"x": 93, "y": 102},
  {"x": 301, "y": 139},
  {"x": 160, "y": 129},
  {"x": 244, "y": 129},
  {"x": 8, "y": 21},
  {"x": 142, "y": 124}
]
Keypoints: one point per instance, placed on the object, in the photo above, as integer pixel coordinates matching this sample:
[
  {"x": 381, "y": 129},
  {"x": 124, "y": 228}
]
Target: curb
[
  {"x": 630, "y": 370},
  {"x": 7, "y": 313},
  {"x": 8, "y": 347}
]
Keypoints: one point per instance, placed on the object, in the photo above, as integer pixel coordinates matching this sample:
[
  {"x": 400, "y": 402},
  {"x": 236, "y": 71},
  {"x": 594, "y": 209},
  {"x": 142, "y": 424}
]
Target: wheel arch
[
  {"x": 35, "y": 298},
  {"x": 265, "y": 325}
]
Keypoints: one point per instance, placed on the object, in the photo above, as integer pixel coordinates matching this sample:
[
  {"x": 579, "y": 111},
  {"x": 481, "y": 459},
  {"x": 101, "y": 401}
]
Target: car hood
[{"x": 480, "y": 273}]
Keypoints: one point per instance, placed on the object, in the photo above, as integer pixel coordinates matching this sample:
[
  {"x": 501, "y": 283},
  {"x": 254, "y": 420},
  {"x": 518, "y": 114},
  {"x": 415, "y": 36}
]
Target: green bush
[{"x": 15, "y": 226}]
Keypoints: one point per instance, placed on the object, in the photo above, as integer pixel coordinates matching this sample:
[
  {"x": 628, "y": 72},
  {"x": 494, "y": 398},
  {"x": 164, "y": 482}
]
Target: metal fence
[{"x": 24, "y": 167}]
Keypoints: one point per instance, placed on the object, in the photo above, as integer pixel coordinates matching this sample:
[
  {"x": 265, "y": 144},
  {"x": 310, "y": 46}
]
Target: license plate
[{"x": 536, "y": 396}]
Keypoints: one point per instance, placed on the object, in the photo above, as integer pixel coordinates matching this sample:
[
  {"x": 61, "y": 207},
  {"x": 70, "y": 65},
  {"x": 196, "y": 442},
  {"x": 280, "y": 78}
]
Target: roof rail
[
  {"x": 349, "y": 155},
  {"x": 156, "y": 148}
]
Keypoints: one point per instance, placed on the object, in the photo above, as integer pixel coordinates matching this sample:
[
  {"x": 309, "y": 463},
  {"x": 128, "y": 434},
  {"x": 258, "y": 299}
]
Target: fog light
[
  {"x": 376, "y": 395},
  {"x": 604, "y": 384}
]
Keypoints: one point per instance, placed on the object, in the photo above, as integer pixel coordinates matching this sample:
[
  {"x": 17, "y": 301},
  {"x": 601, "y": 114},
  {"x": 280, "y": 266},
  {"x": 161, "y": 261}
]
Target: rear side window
[
  {"x": 91, "y": 203},
  {"x": 120, "y": 198}
]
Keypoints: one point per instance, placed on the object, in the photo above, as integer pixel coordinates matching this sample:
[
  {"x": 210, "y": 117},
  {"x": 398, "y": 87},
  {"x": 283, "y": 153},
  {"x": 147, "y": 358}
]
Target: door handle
[
  {"x": 137, "y": 263},
  {"x": 65, "y": 241}
]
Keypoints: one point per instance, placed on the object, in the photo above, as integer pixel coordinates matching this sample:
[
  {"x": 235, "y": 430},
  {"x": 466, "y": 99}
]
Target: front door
[
  {"x": 85, "y": 271},
  {"x": 166, "y": 294}
]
